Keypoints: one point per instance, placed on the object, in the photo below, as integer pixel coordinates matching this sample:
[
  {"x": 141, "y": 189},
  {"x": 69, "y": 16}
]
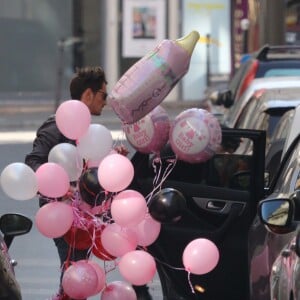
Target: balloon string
[
  {"x": 158, "y": 184},
  {"x": 169, "y": 266},
  {"x": 190, "y": 282}
]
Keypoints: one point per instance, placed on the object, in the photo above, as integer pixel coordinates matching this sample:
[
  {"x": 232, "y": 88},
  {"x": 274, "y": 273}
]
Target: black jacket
[{"x": 47, "y": 136}]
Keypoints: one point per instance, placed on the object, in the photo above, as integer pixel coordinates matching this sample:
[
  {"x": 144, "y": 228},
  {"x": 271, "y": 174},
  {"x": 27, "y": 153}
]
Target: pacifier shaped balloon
[
  {"x": 195, "y": 135},
  {"x": 150, "y": 80}
]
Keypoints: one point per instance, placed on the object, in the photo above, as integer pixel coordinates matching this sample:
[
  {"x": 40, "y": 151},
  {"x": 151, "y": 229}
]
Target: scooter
[{"x": 11, "y": 225}]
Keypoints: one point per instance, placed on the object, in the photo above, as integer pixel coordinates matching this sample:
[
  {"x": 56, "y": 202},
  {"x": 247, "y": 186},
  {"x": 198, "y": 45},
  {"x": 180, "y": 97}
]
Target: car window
[
  {"x": 288, "y": 180},
  {"x": 246, "y": 116},
  {"x": 282, "y": 127},
  {"x": 282, "y": 72},
  {"x": 230, "y": 168}
]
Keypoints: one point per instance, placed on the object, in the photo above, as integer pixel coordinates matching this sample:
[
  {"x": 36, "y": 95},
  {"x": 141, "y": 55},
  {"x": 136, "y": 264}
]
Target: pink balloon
[
  {"x": 54, "y": 219},
  {"x": 195, "y": 135},
  {"x": 150, "y": 80},
  {"x": 137, "y": 267},
  {"x": 115, "y": 172},
  {"x": 200, "y": 256},
  {"x": 147, "y": 231},
  {"x": 117, "y": 240},
  {"x": 52, "y": 179},
  {"x": 128, "y": 208},
  {"x": 73, "y": 119},
  {"x": 80, "y": 280},
  {"x": 118, "y": 290},
  {"x": 151, "y": 133},
  {"x": 100, "y": 275}
]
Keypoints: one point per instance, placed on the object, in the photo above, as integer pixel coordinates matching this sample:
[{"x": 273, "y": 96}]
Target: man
[{"x": 89, "y": 86}]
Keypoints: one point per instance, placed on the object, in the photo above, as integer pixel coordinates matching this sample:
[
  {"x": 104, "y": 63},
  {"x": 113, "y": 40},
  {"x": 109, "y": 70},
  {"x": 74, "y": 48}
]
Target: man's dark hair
[{"x": 88, "y": 77}]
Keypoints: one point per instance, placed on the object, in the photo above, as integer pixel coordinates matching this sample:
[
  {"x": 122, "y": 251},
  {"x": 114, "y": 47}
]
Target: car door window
[
  {"x": 288, "y": 180},
  {"x": 247, "y": 113}
]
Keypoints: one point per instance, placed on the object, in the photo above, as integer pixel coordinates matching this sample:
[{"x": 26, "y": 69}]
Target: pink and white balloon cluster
[{"x": 131, "y": 228}]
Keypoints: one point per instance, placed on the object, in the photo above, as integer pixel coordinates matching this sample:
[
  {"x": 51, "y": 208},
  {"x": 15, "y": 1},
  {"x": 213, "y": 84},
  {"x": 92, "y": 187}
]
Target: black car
[
  {"x": 11, "y": 225},
  {"x": 269, "y": 61}
]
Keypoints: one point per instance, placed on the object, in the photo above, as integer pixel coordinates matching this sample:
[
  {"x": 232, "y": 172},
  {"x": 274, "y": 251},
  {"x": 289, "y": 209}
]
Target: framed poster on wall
[{"x": 144, "y": 26}]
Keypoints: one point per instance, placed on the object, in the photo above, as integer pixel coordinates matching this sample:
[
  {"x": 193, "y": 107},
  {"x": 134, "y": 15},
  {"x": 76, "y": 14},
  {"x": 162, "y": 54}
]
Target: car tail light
[{"x": 248, "y": 78}]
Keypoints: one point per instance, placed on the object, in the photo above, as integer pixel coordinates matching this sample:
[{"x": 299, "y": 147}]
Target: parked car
[
  {"x": 263, "y": 111},
  {"x": 232, "y": 115},
  {"x": 11, "y": 225},
  {"x": 279, "y": 212},
  {"x": 284, "y": 134},
  {"x": 269, "y": 61}
]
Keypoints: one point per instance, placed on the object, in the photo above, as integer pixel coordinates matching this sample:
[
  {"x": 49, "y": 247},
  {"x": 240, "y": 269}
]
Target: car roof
[{"x": 234, "y": 112}]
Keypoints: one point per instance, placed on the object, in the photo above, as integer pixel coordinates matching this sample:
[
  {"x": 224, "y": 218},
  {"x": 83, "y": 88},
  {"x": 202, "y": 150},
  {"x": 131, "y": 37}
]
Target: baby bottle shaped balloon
[{"x": 150, "y": 79}]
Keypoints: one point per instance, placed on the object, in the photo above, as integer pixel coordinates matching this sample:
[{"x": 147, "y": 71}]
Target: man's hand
[{"x": 121, "y": 149}]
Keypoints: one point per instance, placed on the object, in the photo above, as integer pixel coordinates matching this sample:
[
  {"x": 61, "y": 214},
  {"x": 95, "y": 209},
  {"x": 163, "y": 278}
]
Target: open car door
[{"x": 221, "y": 198}]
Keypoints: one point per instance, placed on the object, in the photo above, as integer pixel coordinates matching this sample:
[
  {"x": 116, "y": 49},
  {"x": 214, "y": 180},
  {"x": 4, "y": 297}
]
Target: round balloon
[
  {"x": 147, "y": 231},
  {"x": 115, "y": 172},
  {"x": 151, "y": 133},
  {"x": 195, "y": 135},
  {"x": 117, "y": 290},
  {"x": 167, "y": 205},
  {"x": 137, "y": 267},
  {"x": 149, "y": 80},
  {"x": 19, "y": 181},
  {"x": 118, "y": 240},
  {"x": 73, "y": 119},
  {"x": 67, "y": 156},
  {"x": 79, "y": 238},
  {"x": 100, "y": 274},
  {"x": 128, "y": 208},
  {"x": 54, "y": 219},
  {"x": 80, "y": 280},
  {"x": 96, "y": 143},
  {"x": 200, "y": 256},
  {"x": 53, "y": 180},
  {"x": 89, "y": 187}
]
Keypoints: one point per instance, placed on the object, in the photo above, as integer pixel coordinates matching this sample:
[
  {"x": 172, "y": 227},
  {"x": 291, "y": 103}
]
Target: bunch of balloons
[{"x": 87, "y": 185}]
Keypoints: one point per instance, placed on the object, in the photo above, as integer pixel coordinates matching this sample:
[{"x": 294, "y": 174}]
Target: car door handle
[
  {"x": 216, "y": 205},
  {"x": 219, "y": 206}
]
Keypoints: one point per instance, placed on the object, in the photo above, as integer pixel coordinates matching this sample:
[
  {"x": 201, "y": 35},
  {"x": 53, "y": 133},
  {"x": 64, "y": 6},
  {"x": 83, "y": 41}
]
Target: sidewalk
[{"x": 25, "y": 114}]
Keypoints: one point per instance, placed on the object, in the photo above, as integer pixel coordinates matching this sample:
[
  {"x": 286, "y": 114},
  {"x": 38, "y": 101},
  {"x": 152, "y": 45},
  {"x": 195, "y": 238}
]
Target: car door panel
[{"x": 220, "y": 213}]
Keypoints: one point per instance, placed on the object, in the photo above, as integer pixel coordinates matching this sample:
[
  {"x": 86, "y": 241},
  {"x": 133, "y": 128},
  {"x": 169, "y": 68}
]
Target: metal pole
[
  {"x": 62, "y": 45},
  {"x": 207, "y": 60}
]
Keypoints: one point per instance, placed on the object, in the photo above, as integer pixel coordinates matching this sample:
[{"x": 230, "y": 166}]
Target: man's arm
[{"x": 48, "y": 136}]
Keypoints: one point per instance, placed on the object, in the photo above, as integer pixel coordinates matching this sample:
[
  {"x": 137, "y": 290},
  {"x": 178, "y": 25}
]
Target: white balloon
[
  {"x": 67, "y": 156},
  {"x": 19, "y": 181},
  {"x": 96, "y": 143}
]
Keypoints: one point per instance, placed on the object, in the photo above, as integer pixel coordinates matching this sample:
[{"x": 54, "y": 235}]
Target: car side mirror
[
  {"x": 12, "y": 225},
  {"x": 297, "y": 244},
  {"x": 221, "y": 98},
  {"x": 296, "y": 199},
  {"x": 277, "y": 215}
]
